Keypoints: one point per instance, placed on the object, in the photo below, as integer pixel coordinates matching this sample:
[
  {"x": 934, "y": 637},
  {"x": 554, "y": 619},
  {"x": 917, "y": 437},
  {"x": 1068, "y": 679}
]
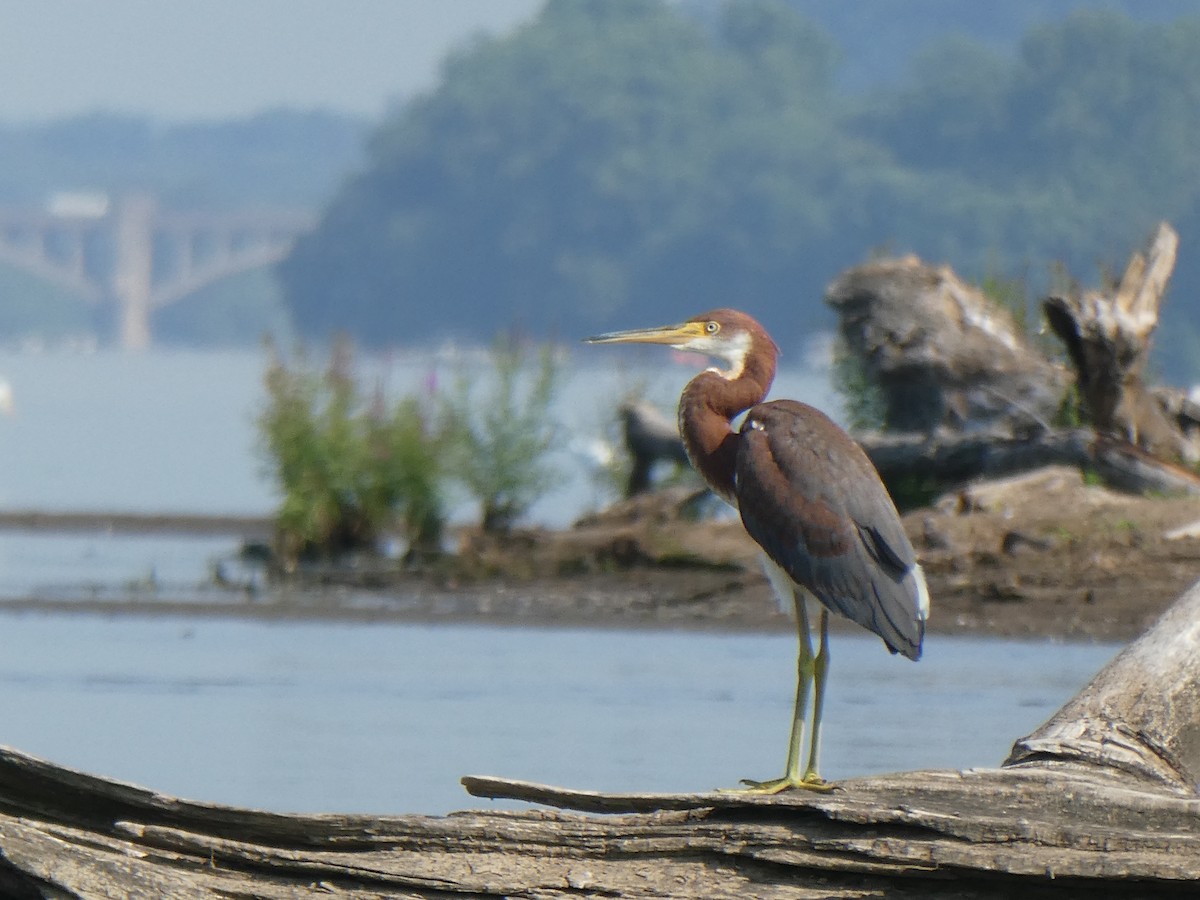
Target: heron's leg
[
  {"x": 820, "y": 669},
  {"x": 806, "y": 669},
  {"x": 804, "y": 681}
]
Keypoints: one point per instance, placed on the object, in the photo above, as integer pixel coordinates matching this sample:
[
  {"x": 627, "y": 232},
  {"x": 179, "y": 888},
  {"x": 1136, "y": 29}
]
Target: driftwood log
[
  {"x": 651, "y": 437},
  {"x": 952, "y": 460},
  {"x": 1100, "y": 801}
]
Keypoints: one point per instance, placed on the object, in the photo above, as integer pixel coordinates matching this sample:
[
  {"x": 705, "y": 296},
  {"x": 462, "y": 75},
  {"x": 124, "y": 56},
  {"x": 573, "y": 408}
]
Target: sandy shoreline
[{"x": 690, "y": 601}]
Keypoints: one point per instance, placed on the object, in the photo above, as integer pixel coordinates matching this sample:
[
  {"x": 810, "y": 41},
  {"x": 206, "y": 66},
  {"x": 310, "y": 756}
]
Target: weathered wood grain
[
  {"x": 1141, "y": 713},
  {"x": 939, "y": 834}
]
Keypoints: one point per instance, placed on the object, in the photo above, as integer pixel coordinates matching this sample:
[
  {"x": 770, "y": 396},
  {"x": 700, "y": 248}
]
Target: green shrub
[
  {"x": 349, "y": 467},
  {"x": 501, "y": 440},
  {"x": 352, "y": 467}
]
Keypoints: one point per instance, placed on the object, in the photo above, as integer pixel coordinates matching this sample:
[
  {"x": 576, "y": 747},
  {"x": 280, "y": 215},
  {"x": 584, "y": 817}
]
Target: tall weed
[{"x": 502, "y": 438}]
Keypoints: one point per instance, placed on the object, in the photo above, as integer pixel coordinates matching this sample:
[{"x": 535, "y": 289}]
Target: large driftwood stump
[
  {"x": 941, "y": 353},
  {"x": 1099, "y": 802}
]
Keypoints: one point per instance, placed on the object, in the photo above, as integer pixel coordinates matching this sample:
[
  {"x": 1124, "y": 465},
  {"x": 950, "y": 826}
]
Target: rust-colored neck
[{"x": 709, "y": 404}]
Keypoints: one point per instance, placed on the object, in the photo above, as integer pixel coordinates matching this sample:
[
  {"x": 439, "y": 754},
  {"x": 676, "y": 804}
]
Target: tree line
[{"x": 618, "y": 163}]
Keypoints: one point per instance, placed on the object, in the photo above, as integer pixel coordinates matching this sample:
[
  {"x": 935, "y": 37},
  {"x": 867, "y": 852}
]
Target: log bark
[{"x": 1100, "y": 801}]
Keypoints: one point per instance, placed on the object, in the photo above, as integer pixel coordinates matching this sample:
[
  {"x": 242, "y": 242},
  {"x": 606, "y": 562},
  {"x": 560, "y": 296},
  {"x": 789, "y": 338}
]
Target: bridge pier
[{"x": 133, "y": 273}]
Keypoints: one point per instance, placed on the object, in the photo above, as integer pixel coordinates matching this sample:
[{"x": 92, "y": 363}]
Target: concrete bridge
[{"x": 137, "y": 257}]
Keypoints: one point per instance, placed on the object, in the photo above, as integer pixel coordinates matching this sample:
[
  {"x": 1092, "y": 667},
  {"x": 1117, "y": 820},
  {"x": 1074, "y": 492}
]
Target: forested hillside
[
  {"x": 879, "y": 37},
  {"x": 613, "y": 164}
]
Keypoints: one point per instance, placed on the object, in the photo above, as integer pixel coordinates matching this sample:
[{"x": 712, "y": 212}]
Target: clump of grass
[
  {"x": 501, "y": 440},
  {"x": 349, "y": 467},
  {"x": 1012, "y": 294}
]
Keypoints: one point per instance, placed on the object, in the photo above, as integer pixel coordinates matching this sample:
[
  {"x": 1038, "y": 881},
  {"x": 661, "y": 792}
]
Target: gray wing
[{"x": 810, "y": 497}]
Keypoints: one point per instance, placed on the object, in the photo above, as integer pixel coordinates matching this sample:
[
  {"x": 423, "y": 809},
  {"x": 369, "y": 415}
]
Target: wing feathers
[{"x": 809, "y": 495}]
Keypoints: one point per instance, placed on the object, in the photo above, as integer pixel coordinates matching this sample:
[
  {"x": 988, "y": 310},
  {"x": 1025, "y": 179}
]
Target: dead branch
[{"x": 1108, "y": 336}]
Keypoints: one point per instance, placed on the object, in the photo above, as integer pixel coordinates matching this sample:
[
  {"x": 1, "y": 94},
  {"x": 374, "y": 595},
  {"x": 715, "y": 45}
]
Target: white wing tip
[{"x": 922, "y": 592}]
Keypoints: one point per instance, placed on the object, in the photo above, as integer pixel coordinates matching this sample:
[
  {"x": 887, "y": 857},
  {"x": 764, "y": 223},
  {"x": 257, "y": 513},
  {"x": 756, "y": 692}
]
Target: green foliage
[
  {"x": 605, "y": 152},
  {"x": 1012, "y": 293},
  {"x": 500, "y": 441},
  {"x": 611, "y": 162},
  {"x": 349, "y": 467},
  {"x": 1071, "y": 411},
  {"x": 862, "y": 398},
  {"x": 911, "y": 492},
  {"x": 352, "y": 466}
]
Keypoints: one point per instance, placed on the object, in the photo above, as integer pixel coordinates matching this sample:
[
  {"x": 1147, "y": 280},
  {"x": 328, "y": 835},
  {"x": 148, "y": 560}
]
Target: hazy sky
[{"x": 204, "y": 59}]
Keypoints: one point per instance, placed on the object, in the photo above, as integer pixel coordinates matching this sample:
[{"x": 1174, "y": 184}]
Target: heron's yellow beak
[{"x": 665, "y": 334}]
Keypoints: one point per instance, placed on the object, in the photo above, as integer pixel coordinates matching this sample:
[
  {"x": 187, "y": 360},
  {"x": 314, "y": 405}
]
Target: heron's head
[{"x": 725, "y": 334}]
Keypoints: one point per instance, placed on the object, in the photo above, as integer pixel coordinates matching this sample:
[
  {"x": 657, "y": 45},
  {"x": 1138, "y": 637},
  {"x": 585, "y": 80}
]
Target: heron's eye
[{"x": 712, "y": 327}]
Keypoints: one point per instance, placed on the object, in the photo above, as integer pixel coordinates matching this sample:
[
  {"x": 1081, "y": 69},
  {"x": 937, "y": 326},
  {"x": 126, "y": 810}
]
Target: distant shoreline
[
  {"x": 637, "y": 600},
  {"x": 246, "y": 527},
  {"x": 1045, "y": 556}
]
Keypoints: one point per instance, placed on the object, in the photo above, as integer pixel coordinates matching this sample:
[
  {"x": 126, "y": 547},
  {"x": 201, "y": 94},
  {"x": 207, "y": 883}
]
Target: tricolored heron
[{"x": 808, "y": 494}]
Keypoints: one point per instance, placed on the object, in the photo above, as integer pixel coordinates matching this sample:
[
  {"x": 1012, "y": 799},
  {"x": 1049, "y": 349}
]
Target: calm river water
[{"x": 386, "y": 718}]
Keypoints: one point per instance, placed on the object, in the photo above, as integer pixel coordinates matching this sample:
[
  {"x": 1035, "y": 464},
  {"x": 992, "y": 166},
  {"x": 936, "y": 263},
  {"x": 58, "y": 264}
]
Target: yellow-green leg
[
  {"x": 820, "y": 670},
  {"x": 810, "y": 677}
]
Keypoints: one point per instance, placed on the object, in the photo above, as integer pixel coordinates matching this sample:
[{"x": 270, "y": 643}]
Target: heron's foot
[{"x": 810, "y": 782}]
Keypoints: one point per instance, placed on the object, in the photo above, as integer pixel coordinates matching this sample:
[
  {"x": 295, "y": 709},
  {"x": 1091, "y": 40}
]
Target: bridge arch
[{"x": 138, "y": 258}]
